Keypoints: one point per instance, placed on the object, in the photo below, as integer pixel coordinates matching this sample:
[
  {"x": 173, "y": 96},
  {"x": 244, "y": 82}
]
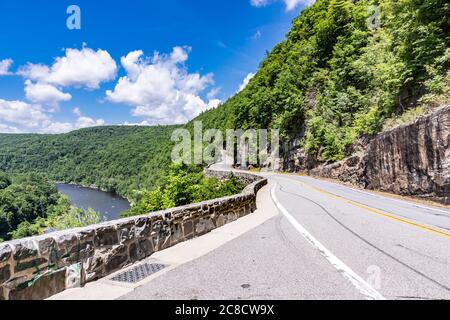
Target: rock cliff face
[
  {"x": 409, "y": 160},
  {"x": 414, "y": 159}
]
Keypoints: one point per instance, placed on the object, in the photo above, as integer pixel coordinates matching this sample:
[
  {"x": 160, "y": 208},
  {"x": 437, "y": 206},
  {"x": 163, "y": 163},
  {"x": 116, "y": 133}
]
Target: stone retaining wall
[{"x": 39, "y": 267}]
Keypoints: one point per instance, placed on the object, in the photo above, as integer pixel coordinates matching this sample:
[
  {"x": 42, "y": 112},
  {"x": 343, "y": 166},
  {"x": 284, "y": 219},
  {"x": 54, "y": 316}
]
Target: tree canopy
[{"x": 342, "y": 70}]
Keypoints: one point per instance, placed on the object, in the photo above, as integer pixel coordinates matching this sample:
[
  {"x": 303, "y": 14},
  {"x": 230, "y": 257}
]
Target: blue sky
[{"x": 136, "y": 62}]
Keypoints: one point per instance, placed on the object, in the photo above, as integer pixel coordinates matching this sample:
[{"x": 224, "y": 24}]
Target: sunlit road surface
[{"x": 328, "y": 241}]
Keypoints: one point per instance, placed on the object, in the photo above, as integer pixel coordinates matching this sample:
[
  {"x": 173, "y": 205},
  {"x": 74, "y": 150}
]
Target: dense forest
[
  {"x": 30, "y": 204},
  {"x": 119, "y": 159},
  {"x": 346, "y": 67}
]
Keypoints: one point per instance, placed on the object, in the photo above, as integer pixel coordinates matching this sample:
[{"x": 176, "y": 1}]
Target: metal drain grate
[{"x": 139, "y": 272}]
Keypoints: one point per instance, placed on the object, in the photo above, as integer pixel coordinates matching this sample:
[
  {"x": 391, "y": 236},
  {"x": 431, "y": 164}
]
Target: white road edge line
[{"x": 365, "y": 288}]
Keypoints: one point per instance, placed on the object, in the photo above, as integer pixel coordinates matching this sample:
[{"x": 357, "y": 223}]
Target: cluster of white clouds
[
  {"x": 80, "y": 122},
  {"x": 43, "y": 86},
  {"x": 78, "y": 68},
  {"x": 21, "y": 116},
  {"x": 83, "y": 68},
  {"x": 159, "y": 89},
  {"x": 4, "y": 67},
  {"x": 246, "y": 81},
  {"x": 290, "y": 4}
]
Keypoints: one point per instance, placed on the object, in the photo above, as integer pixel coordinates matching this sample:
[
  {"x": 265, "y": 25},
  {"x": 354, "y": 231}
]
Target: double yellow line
[{"x": 376, "y": 211}]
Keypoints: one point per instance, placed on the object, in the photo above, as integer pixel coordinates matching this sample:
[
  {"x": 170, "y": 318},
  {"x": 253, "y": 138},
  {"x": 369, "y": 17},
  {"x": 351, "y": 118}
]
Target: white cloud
[
  {"x": 78, "y": 68},
  {"x": 57, "y": 127},
  {"x": 86, "y": 122},
  {"x": 290, "y": 4},
  {"x": 160, "y": 88},
  {"x": 19, "y": 116},
  {"x": 22, "y": 114},
  {"x": 246, "y": 81},
  {"x": 256, "y": 36},
  {"x": 44, "y": 93},
  {"x": 214, "y": 103},
  {"x": 63, "y": 127},
  {"x": 8, "y": 129},
  {"x": 77, "y": 111},
  {"x": 259, "y": 3},
  {"x": 213, "y": 93},
  {"x": 4, "y": 66}
]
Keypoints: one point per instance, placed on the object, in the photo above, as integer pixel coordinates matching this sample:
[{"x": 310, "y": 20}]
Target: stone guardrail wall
[{"x": 39, "y": 267}]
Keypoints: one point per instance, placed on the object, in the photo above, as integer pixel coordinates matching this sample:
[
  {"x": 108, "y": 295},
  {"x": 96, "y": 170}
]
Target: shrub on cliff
[{"x": 184, "y": 185}]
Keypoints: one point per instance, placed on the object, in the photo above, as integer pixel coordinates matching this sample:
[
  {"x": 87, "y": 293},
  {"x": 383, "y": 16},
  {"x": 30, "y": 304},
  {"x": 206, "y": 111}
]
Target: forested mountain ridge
[
  {"x": 345, "y": 67},
  {"x": 117, "y": 158}
]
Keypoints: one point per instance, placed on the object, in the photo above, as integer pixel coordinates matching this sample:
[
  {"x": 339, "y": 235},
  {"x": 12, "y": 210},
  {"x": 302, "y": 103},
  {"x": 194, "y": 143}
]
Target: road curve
[{"x": 328, "y": 241}]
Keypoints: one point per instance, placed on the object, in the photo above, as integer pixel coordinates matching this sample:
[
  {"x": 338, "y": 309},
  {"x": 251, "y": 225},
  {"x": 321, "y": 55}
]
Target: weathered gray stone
[
  {"x": 162, "y": 229},
  {"x": 86, "y": 250},
  {"x": 161, "y": 235},
  {"x": 34, "y": 265},
  {"x": 106, "y": 236},
  {"x": 134, "y": 252},
  {"x": 117, "y": 259},
  {"x": 44, "y": 287},
  {"x": 74, "y": 276},
  {"x": 126, "y": 231},
  {"x": 94, "y": 267},
  {"x": 46, "y": 246},
  {"x": 146, "y": 247},
  {"x": 5, "y": 273},
  {"x": 177, "y": 234},
  {"x": 68, "y": 249},
  {"x": 24, "y": 250},
  {"x": 87, "y": 235},
  {"x": 203, "y": 226},
  {"x": 5, "y": 253},
  {"x": 188, "y": 228},
  {"x": 220, "y": 221},
  {"x": 143, "y": 227}
]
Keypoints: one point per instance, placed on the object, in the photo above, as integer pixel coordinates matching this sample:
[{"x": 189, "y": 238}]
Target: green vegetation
[
  {"x": 31, "y": 204},
  {"x": 334, "y": 77},
  {"x": 118, "y": 159},
  {"x": 184, "y": 185},
  {"x": 133, "y": 161},
  {"x": 339, "y": 78}
]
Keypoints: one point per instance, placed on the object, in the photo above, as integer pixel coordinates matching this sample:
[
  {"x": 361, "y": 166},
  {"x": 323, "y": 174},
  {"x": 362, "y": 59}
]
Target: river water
[{"x": 109, "y": 205}]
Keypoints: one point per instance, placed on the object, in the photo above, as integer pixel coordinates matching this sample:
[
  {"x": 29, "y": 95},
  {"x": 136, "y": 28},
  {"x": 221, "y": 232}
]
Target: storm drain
[{"x": 139, "y": 272}]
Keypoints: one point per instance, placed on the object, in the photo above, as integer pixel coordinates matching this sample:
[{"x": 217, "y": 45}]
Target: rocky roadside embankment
[{"x": 410, "y": 160}]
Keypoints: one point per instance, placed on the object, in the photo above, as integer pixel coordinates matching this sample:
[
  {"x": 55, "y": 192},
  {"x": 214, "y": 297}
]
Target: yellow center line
[{"x": 376, "y": 211}]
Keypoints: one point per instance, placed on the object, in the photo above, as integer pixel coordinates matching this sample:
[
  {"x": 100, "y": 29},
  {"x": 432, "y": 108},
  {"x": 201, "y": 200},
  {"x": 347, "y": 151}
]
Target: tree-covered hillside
[
  {"x": 343, "y": 69},
  {"x": 121, "y": 159}
]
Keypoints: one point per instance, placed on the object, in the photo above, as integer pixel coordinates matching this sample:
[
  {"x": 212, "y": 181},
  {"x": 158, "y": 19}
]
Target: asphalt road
[{"x": 327, "y": 242}]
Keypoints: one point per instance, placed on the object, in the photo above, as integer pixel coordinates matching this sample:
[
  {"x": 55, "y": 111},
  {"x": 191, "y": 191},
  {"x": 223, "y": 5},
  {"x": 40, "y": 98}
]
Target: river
[{"x": 109, "y": 205}]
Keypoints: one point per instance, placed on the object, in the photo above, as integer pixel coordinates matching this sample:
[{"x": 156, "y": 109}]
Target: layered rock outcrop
[{"x": 411, "y": 160}]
